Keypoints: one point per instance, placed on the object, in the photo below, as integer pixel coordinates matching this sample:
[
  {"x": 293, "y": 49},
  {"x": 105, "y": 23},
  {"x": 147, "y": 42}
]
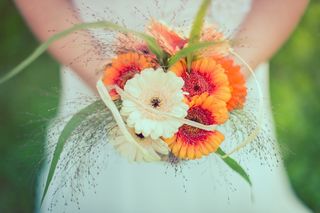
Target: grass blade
[
  {"x": 198, "y": 22},
  {"x": 191, "y": 49},
  {"x": 196, "y": 28},
  {"x": 234, "y": 166},
  {"x": 74, "y": 122},
  {"x": 151, "y": 42}
]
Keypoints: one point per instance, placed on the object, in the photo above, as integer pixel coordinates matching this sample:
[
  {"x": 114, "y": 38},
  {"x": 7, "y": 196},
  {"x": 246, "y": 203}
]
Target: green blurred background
[{"x": 30, "y": 100}]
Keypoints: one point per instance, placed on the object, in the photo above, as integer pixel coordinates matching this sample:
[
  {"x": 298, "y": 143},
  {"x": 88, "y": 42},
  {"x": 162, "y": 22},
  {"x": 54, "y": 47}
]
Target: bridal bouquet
[
  {"x": 168, "y": 93},
  {"x": 171, "y": 104}
]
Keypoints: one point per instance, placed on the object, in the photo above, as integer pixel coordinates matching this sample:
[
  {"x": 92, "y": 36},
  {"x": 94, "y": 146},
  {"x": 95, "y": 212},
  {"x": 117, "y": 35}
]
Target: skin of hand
[
  {"x": 47, "y": 17},
  {"x": 264, "y": 30}
]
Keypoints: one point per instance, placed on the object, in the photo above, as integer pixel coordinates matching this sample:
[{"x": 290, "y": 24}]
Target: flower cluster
[{"x": 174, "y": 109}]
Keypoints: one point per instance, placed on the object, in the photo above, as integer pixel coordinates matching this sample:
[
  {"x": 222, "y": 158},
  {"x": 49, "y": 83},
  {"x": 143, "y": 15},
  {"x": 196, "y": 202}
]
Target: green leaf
[
  {"x": 154, "y": 47},
  {"x": 74, "y": 122},
  {"x": 198, "y": 22},
  {"x": 151, "y": 42},
  {"x": 197, "y": 26},
  {"x": 190, "y": 49},
  {"x": 234, "y": 166}
]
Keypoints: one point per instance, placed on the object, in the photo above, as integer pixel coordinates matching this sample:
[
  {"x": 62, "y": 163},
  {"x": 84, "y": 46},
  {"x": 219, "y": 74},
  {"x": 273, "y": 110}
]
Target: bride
[{"x": 258, "y": 29}]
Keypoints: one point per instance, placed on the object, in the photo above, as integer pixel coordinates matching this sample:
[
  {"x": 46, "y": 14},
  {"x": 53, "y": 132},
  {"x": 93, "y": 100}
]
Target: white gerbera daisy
[
  {"x": 155, "y": 148},
  {"x": 161, "y": 91}
]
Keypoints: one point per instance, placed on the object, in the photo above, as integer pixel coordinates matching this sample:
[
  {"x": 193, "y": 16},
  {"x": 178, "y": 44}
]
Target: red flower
[
  {"x": 205, "y": 76},
  {"x": 191, "y": 142},
  {"x": 169, "y": 40}
]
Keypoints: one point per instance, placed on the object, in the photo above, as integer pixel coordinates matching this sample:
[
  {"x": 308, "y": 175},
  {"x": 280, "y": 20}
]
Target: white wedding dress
[{"x": 203, "y": 186}]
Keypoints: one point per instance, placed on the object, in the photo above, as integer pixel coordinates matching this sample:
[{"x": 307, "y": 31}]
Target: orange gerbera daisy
[
  {"x": 205, "y": 76},
  {"x": 123, "y": 68},
  {"x": 237, "y": 83},
  {"x": 191, "y": 142},
  {"x": 211, "y": 33},
  {"x": 169, "y": 40},
  {"x": 129, "y": 43}
]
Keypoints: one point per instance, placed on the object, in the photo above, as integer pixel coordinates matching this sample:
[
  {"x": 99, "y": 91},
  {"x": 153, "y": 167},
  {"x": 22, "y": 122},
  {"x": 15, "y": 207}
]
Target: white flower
[
  {"x": 161, "y": 91},
  {"x": 154, "y": 148}
]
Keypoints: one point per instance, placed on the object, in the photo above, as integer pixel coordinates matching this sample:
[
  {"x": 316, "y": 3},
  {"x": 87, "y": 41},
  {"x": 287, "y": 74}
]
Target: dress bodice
[{"x": 227, "y": 14}]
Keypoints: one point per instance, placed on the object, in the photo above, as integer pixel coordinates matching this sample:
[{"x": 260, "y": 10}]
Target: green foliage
[
  {"x": 295, "y": 89},
  {"x": 197, "y": 26},
  {"x": 26, "y": 105},
  {"x": 66, "y": 133},
  {"x": 234, "y": 166},
  {"x": 152, "y": 44},
  {"x": 198, "y": 22},
  {"x": 189, "y": 50}
]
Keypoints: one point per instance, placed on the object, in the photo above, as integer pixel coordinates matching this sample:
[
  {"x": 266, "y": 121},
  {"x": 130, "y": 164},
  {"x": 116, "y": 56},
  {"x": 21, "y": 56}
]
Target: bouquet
[{"x": 166, "y": 93}]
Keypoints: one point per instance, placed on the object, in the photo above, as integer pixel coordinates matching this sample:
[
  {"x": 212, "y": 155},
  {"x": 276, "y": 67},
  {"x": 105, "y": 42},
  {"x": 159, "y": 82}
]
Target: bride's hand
[
  {"x": 78, "y": 50},
  {"x": 266, "y": 28}
]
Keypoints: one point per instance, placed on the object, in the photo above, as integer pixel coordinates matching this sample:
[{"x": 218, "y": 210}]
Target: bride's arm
[
  {"x": 267, "y": 27},
  {"x": 43, "y": 16}
]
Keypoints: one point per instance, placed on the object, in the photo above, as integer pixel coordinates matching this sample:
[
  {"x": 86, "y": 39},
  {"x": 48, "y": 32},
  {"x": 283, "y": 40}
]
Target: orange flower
[
  {"x": 191, "y": 142},
  {"x": 129, "y": 43},
  {"x": 123, "y": 68},
  {"x": 237, "y": 83},
  {"x": 210, "y": 33},
  {"x": 205, "y": 76},
  {"x": 169, "y": 40}
]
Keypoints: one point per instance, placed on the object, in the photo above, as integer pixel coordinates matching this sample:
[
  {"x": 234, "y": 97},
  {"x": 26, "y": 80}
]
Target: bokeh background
[{"x": 29, "y": 101}]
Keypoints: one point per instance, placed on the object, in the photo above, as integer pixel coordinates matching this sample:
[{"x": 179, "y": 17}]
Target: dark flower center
[
  {"x": 155, "y": 102},
  {"x": 140, "y": 136},
  {"x": 196, "y": 88}
]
